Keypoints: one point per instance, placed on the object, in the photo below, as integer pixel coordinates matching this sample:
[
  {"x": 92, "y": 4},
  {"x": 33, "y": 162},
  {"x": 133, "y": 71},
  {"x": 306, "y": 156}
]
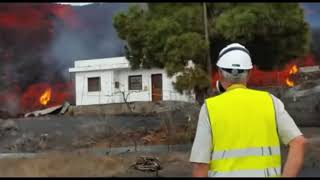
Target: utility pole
[{"x": 205, "y": 19}]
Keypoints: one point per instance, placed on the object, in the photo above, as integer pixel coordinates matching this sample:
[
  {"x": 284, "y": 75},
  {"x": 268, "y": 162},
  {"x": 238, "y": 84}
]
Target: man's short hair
[{"x": 234, "y": 75}]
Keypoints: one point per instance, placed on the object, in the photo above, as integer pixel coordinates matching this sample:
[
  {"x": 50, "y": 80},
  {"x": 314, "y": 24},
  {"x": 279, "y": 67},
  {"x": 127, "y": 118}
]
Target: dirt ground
[
  {"x": 66, "y": 133},
  {"x": 82, "y": 164},
  {"x": 64, "y": 142},
  {"x": 86, "y": 165}
]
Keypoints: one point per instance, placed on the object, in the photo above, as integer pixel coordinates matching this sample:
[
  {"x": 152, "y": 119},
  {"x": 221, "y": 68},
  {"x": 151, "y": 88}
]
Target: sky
[
  {"x": 312, "y": 14},
  {"x": 75, "y": 4}
]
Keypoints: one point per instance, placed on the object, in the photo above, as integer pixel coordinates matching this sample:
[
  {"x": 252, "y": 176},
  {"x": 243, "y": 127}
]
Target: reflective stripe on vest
[
  {"x": 263, "y": 151},
  {"x": 245, "y": 139},
  {"x": 269, "y": 172}
]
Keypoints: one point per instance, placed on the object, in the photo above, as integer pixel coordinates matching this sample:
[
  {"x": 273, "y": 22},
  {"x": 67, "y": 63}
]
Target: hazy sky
[
  {"x": 76, "y": 4},
  {"x": 312, "y": 13}
]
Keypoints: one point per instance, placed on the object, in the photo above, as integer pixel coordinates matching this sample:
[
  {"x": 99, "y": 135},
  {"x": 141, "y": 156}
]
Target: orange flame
[
  {"x": 45, "y": 97},
  {"x": 293, "y": 70},
  {"x": 289, "y": 83}
]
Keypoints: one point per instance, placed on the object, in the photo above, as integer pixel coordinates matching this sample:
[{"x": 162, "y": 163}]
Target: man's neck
[
  {"x": 235, "y": 86},
  {"x": 228, "y": 86}
]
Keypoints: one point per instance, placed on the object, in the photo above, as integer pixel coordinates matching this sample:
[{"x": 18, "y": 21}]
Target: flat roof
[{"x": 100, "y": 64}]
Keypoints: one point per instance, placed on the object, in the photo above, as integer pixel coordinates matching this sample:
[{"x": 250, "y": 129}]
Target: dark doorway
[{"x": 156, "y": 81}]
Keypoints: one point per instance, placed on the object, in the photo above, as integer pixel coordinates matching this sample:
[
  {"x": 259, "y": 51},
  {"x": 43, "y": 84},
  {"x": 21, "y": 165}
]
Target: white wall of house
[{"x": 111, "y": 70}]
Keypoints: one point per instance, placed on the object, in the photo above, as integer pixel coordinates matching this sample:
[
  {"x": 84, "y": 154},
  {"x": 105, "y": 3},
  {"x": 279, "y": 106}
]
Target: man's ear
[{"x": 220, "y": 74}]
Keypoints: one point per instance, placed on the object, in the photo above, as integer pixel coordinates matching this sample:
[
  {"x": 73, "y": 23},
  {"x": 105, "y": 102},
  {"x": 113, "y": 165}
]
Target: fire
[
  {"x": 289, "y": 83},
  {"x": 271, "y": 78},
  {"x": 31, "y": 97},
  {"x": 293, "y": 70},
  {"x": 45, "y": 97}
]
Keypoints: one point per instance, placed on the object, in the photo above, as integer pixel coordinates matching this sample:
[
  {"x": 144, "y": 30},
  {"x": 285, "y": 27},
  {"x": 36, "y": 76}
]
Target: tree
[
  {"x": 275, "y": 33},
  {"x": 168, "y": 35}
]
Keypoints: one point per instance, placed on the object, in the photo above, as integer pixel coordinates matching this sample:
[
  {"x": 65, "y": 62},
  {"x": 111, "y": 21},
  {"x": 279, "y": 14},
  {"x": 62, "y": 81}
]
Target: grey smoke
[
  {"x": 95, "y": 38},
  {"x": 49, "y": 63}
]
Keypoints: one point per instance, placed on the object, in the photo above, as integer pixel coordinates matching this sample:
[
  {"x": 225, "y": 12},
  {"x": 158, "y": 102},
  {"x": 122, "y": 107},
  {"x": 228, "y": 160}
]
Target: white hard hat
[{"x": 234, "y": 56}]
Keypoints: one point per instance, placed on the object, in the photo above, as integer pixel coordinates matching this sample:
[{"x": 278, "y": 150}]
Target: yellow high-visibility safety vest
[{"x": 245, "y": 139}]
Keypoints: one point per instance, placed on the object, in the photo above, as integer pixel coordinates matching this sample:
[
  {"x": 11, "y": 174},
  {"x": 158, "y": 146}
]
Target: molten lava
[
  {"x": 59, "y": 93},
  {"x": 29, "y": 32},
  {"x": 293, "y": 70},
  {"x": 45, "y": 97},
  {"x": 283, "y": 77}
]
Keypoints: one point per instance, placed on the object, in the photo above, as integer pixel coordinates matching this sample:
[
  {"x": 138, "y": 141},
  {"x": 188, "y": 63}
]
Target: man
[{"x": 238, "y": 131}]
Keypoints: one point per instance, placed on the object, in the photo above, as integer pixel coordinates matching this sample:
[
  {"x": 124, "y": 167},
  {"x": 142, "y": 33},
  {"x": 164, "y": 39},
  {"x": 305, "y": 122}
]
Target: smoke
[
  {"x": 39, "y": 42},
  {"x": 94, "y": 36}
]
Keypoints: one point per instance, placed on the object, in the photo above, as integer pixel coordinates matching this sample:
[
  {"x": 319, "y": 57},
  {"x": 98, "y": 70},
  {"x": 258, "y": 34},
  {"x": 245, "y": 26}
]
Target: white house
[{"x": 110, "y": 80}]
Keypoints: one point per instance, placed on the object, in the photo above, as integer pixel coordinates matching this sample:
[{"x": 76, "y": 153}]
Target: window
[
  {"x": 94, "y": 84},
  {"x": 135, "y": 82},
  {"x": 116, "y": 85}
]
